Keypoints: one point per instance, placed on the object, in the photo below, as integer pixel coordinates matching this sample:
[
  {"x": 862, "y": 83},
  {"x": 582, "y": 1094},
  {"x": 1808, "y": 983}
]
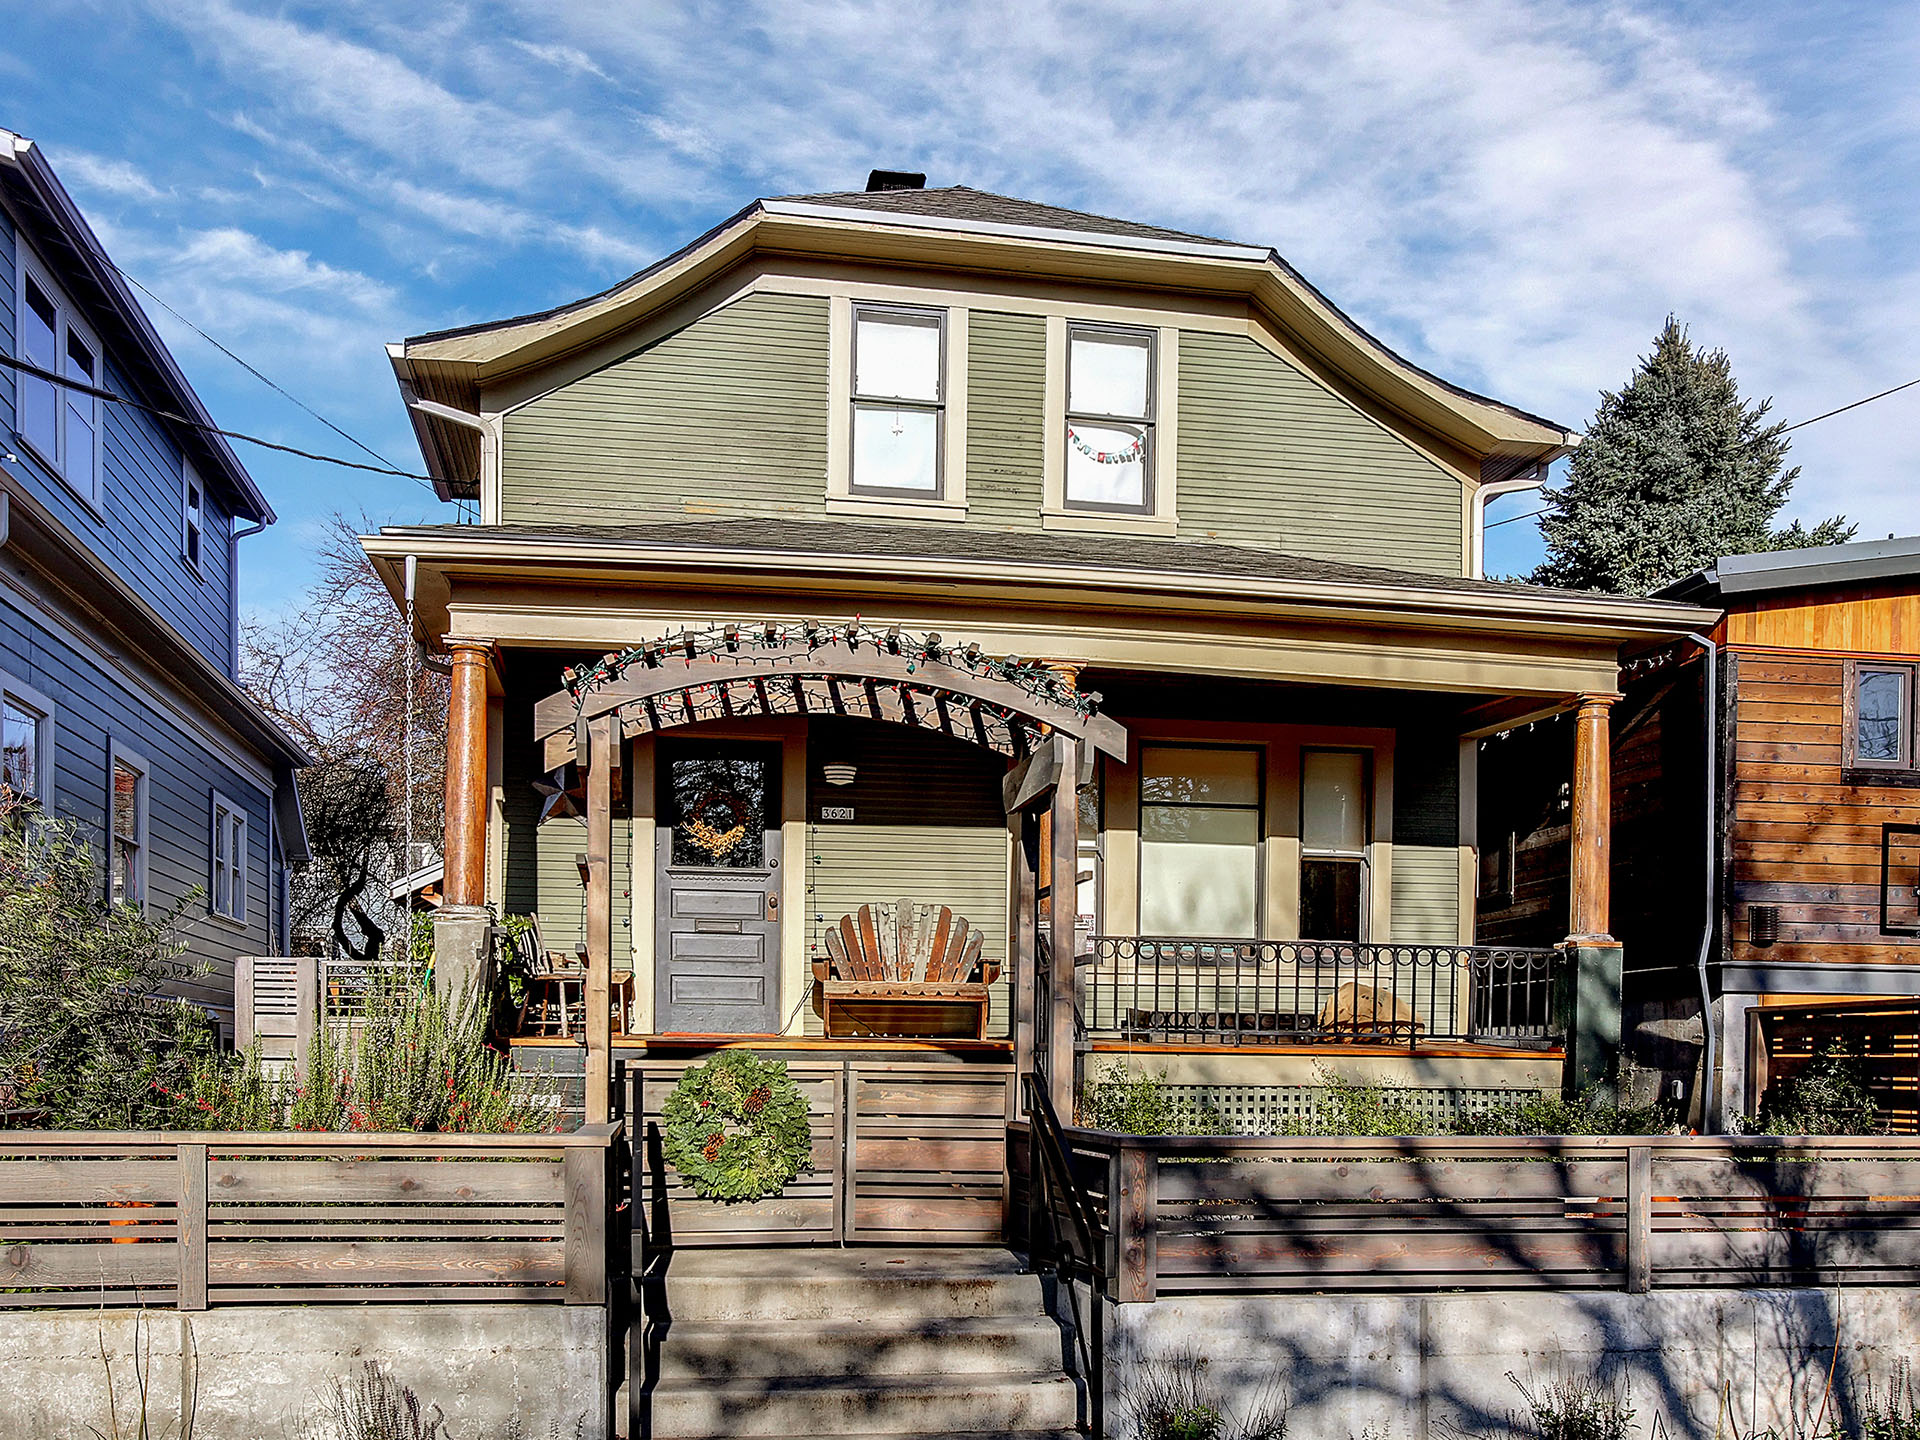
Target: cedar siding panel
[
  {"x": 95, "y": 706},
  {"x": 1006, "y": 418},
  {"x": 1268, "y": 457},
  {"x": 139, "y": 534},
  {"x": 725, "y": 417},
  {"x": 1800, "y": 835}
]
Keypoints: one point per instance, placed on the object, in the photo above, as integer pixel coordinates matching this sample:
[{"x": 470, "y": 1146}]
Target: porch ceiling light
[{"x": 839, "y": 773}]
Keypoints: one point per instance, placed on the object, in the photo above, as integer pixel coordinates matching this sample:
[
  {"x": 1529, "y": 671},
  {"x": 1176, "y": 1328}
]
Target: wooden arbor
[{"x": 1028, "y": 713}]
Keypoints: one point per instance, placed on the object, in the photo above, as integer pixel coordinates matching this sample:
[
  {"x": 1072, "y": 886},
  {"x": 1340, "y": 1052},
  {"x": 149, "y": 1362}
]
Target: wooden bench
[{"x": 904, "y": 969}]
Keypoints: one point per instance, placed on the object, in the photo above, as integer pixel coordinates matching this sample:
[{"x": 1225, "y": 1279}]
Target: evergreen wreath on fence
[{"x": 736, "y": 1128}]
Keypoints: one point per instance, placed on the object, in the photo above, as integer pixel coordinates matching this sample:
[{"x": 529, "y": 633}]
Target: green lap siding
[
  {"x": 1426, "y": 895},
  {"x": 561, "y": 900},
  {"x": 1006, "y": 418},
  {"x": 1269, "y": 457},
  {"x": 725, "y": 417}
]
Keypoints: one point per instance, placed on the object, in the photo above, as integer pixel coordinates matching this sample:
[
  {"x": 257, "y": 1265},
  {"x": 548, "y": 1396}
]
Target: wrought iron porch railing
[{"x": 1251, "y": 992}]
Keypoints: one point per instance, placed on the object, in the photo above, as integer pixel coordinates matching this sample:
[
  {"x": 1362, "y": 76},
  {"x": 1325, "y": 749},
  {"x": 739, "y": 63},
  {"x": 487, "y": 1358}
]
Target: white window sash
[{"x": 77, "y": 416}]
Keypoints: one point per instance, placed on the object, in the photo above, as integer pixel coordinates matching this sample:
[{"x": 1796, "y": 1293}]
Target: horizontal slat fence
[
  {"x": 1193, "y": 1214},
  {"x": 195, "y": 1220},
  {"x": 901, "y": 1152}
]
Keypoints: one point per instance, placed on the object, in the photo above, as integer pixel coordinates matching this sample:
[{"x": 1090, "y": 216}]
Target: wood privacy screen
[
  {"x": 206, "y": 1219},
  {"x": 901, "y": 1152},
  {"x": 1184, "y": 1215}
]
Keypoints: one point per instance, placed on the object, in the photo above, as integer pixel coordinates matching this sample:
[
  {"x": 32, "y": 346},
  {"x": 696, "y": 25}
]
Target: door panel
[{"x": 717, "y": 945}]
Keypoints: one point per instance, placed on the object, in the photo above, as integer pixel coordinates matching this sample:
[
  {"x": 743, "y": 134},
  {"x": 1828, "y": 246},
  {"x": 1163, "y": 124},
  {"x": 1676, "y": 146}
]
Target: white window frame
[
  {"x": 227, "y": 847},
  {"x": 1363, "y": 857},
  {"x": 1161, "y": 517},
  {"x": 842, "y": 499},
  {"x": 34, "y": 700},
  {"x": 69, "y": 321},
  {"x": 192, "y": 529},
  {"x": 118, "y": 758},
  {"x": 937, "y": 406}
]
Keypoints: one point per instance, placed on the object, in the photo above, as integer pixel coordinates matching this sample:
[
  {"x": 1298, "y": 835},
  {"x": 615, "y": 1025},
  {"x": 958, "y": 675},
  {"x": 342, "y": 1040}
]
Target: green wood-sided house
[{"x": 966, "y": 551}]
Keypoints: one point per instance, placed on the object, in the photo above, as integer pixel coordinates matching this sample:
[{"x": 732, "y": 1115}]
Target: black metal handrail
[
  {"x": 1052, "y": 1188},
  {"x": 1239, "y": 992}
]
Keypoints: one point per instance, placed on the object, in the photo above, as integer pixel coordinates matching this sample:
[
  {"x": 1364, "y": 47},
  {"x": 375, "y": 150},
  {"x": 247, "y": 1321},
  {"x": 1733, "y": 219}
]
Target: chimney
[{"x": 895, "y": 180}]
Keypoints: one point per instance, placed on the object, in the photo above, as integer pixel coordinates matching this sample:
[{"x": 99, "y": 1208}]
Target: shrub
[
  {"x": 1172, "y": 1398},
  {"x": 1140, "y": 1102},
  {"x": 1358, "y": 1107},
  {"x": 1589, "y": 1113},
  {"x": 88, "y": 1037},
  {"x": 1894, "y": 1415},
  {"x": 1828, "y": 1097}
]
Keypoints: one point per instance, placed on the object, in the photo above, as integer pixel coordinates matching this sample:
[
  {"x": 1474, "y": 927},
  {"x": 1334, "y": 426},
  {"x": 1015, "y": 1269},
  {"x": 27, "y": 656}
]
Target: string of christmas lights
[{"x": 744, "y": 644}]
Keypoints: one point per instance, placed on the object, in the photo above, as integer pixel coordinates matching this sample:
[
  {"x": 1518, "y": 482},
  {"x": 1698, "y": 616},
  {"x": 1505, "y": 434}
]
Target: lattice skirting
[{"x": 1265, "y": 1109}]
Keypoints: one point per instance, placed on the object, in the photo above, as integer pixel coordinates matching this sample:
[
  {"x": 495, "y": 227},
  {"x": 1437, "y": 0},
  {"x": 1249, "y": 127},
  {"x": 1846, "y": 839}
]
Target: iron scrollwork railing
[{"x": 1250, "y": 992}]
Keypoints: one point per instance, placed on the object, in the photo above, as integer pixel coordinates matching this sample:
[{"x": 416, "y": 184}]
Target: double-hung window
[
  {"x": 899, "y": 402},
  {"x": 127, "y": 817},
  {"x": 227, "y": 882},
  {"x": 1109, "y": 419},
  {"x": 1335, "y": 806},
  {"x": 192, "y": 516},
  {"x": 1200, "y": 827},
  {"x": 26, "y": 742},
  {"x": 60, "y": 423},
  {"x": 1880, "y": 728}
]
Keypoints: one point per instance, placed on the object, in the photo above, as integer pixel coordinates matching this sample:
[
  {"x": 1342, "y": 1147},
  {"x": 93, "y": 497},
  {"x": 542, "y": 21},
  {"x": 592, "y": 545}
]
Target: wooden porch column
[
  {"x": 1592, "y": 819},
  {"x": 1063, "y": 907},
  {"x": 466, "y": 841},
  {"x": 602, "y": 758}
]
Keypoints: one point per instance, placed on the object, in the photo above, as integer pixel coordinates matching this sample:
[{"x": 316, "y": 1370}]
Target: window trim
[
  {"x": 841, "y": 497},
  {"x": 1163, "y": 518},
  {"x": 236, "y": 862},
  {"x": 1904, "y": 768},
  {"x": 69, "y": 320},
  {"x": 120, "y": 757},
  {"x": 1150, "y": 447},
  {"x": 1363, "y": 857},
  {"x": 190, "y": 528},
  {"x": 43, "y": 759},
  {"x": 1887, "y": 832}
]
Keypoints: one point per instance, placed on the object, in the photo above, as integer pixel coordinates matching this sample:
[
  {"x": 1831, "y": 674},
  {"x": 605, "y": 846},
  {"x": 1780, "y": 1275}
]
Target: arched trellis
[{"x": 665, "y": 687}]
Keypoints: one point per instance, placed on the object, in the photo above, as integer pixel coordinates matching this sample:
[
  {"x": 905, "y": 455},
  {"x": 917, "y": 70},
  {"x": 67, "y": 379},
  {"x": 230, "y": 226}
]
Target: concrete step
[
  {"x": 890, "y": 1405},
  {"x": 968, "y": 1345},
  {"x": 872, "y": 1285}
]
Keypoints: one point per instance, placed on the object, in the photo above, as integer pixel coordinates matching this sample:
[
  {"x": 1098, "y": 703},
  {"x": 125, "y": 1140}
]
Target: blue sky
[{"x": 1514, "y": 193}]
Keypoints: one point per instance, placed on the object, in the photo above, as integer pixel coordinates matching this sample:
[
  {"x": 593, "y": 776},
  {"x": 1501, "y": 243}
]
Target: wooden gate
[{"x": 905, "y": 1153}]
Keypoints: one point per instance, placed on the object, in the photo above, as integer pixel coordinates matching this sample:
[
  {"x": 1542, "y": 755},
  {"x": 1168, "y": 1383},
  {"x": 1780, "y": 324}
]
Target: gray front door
[{"x": 716, "y": 966}]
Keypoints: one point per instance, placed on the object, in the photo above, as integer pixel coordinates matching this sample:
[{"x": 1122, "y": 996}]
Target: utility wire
[
  {"x": 34, "y": 370},
  {"x": 1801, "y": 425},
  {"x": 1513, "y": 519},
  {"x": 278, "y": 389}
]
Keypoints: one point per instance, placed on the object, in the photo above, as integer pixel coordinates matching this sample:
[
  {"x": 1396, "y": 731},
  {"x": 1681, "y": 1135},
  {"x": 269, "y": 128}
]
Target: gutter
[
  {"x": 1485, "y": 496},
  {"x": 234, "y": 537}
]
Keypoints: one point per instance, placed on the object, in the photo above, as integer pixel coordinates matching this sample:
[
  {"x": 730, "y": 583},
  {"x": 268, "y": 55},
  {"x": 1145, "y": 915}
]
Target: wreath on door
[
  {"x": 737, "y": 1128},
  {"x": 717, "y": 840}
]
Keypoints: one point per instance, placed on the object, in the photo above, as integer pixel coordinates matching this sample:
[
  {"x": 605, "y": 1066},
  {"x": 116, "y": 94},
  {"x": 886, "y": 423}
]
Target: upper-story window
[
  {"x": 59, "y": 423},
  {"x": 1109, "y": 418},
  {"x": 899, "y": 401},
  {"x": 1880, "y": 728},
  {"x": 192, "y": 516}
]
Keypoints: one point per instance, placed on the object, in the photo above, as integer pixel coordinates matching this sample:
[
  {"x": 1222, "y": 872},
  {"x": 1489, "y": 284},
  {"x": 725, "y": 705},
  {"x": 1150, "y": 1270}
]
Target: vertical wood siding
[
  {"x": 95, "y": 706},
  {"x": 1268, "y": 457},
  {"x": 139, "y": 536},
  {"x": 1006, "y": 418},
  {"x": 726, "y": 417}
]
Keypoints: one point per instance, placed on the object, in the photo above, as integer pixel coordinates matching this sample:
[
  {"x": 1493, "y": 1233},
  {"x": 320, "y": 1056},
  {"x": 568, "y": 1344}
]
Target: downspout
[
  {"x": 1710, "y": 1046},
  {"x": 1486, "y": 495},
  {"x": 489, "y": 435}
]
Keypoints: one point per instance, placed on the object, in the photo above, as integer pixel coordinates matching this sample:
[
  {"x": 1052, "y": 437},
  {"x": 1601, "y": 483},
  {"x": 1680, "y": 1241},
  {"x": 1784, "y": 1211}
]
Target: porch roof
[{"x": 1013, "y": 558}]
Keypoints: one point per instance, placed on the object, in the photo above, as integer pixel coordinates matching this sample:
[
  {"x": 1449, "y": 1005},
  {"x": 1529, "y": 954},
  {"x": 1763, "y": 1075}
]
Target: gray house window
[
  {"x": 899, "y": 401},
  {"x": 59, "y": 423},
  {"x": 227, "y": 882},
  {"x": 1879, "y": 732},
  {"x": 26, "y": 740},
  {"x": 192, "y": 516},
  {"x": 1109, "y": 419},
  {"x": 127, "y": 822}
]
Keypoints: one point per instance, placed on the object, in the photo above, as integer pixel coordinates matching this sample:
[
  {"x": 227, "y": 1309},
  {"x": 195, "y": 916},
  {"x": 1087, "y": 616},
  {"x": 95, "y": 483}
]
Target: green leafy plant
[
  {"x": 1173, "y": 1398},
  {"x": 89, "y": 1038},
  {"x": 1829, "y": 1096},
  {"x": 511, "y": 964},
  {"x": 1352, "y": 1107},
  {"x": 1141, "y": 1102},
  {"x": 1589, "y": 1113},
  {"x": 1566, "y": 1407},
  {"x": 1892, "y": 1414}
]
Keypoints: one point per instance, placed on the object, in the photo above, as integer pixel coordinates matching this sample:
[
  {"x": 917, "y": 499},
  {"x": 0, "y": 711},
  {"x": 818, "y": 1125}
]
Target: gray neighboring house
[{"x": 119, "y": 622}]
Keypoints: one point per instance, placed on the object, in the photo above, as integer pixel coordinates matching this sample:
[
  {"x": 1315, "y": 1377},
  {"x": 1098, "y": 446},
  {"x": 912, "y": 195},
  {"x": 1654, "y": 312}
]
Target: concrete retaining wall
[
  {"x": 249, "y": 1372},
  {"x": 1413, "y": 1367}
]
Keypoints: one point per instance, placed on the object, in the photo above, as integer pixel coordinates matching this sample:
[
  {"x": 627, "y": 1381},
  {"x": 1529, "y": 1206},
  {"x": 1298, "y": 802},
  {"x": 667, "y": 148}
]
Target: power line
[
  {"x": 278, "y": 389},
  {"x": 383, "y": 469},
  {"x": 1801, "y": 425},
  {"x": 1512, "y": 519}
]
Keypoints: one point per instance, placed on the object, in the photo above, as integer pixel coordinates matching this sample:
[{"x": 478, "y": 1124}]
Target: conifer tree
[{"x": 1676, "y": 471}]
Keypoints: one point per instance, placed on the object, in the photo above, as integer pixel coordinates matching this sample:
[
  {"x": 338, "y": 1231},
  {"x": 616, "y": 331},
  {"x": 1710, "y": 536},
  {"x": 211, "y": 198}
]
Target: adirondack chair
[{"x": 904, "y": 969}]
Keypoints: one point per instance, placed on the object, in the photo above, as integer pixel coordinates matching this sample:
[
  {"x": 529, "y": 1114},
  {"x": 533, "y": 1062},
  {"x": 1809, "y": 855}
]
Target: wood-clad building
[{"x": 1818, "y": 830}]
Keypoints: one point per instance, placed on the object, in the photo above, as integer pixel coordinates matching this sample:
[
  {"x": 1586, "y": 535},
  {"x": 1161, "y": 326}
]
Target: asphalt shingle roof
[{"x": 962, "y": 202}]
